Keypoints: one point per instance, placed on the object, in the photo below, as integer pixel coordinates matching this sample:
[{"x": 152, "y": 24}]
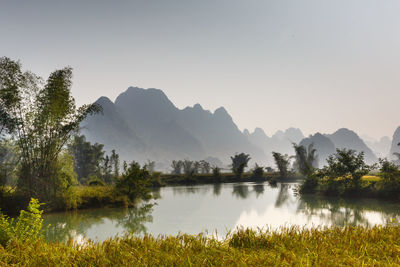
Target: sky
[{"x": 313, "y": 64}]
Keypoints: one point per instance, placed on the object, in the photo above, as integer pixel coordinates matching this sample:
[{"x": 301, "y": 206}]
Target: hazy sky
[{"x": 316, "y": 65}]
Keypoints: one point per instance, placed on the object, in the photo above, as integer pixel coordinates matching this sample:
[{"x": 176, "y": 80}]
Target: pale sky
[{"x": 317, "y": 65}]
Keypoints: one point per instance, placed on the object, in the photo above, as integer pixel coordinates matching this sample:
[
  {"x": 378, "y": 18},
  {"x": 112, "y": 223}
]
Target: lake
[{"x": 216, "y": 209}]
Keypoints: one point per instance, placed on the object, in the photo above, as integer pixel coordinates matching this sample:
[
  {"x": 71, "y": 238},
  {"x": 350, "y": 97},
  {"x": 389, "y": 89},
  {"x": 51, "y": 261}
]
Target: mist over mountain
[
  {"x": 345, "y": 138},
  {"x": 281, "y": 141},
  {"x": 381, "y": 147},
  {"x": 144, "y": 124}
]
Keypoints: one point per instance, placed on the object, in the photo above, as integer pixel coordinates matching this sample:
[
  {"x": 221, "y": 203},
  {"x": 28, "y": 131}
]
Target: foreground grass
[{"x": 349, "y": 246}]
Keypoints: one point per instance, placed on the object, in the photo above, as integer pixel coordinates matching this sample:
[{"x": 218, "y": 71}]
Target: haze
[{"x": 316, "y": 65}]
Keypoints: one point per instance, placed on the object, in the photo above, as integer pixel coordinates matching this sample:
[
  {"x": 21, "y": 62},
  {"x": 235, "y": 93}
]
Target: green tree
[
  {"x": 347, "y": 165},
  {"x": 282, "y": 163},
  {"x": 27, "y": 227},
  {"x": 107, "y": 169},
  {"x": 239, "y": 163},
  {"x": 87, "y": 157},
  {"x": 8, "y": 164},
  {"x": 42, "y": 119},
  {"x": 134, "y": 182},
  {"x": 390, "y": 174}
]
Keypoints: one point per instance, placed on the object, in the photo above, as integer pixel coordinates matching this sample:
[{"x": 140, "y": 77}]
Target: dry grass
[{"x": 349, "y": 246}]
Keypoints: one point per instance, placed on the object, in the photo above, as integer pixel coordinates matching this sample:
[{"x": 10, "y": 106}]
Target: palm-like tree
[{"x": 305, "y": 159}]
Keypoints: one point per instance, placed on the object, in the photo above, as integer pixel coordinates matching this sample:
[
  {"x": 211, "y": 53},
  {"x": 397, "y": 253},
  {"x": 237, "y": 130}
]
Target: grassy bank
[{"x": 350, "y": 246}]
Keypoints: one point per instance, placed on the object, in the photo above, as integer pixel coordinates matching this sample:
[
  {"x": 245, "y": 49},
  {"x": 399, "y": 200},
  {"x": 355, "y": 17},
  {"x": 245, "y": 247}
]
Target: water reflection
[
  {"x": 75, "y": 225},
  {"x": 341, "y": 212},
  {"x": 217, "y": 189},
  {"x": 184, "y": 190},
  {"x": 240, "y": 191},
  {"x": 258, "y": 189},
  {"x": 220, "y": 207},
  {"x": 283, "y": 195}
]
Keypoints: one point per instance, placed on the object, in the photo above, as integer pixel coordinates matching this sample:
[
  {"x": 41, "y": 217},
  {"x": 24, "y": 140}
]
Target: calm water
[{"x": 218, "y": 208}]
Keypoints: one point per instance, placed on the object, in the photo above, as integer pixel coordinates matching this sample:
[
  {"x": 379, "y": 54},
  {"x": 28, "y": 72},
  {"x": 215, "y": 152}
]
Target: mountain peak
[
  {"x": 197, "y": 107},
  {"x": 259, "y": 132},
  {"x": 143, "y": 99},
  {"x": 103, "y": 100},
  {"x": 221, "y": 111}
]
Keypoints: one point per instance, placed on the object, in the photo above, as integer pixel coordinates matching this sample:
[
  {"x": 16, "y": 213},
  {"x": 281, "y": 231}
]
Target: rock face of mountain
[
  {"x": 144, "y": 124},
  {"x": 395, "y": 144},
  {"x": 345, "y": 138},
  {"x": 322, "y": 144},
  {"x": 111, "y": 129}
]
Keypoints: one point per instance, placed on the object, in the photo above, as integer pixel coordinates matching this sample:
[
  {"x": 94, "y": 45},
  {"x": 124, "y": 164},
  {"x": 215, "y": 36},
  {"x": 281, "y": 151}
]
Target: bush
[
  {"x": 134, "y": 182},
  {"x": 27, "y": 227}
]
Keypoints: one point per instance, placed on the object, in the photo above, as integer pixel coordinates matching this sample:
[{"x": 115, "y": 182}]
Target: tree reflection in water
[
  {"x": 241, "y": 191},
  {"x": 283, "y": 195},
  {"x": 341, "y": 212},
  {"x": 217, "y": 189},
  {"x": 75, "y": 224},
  {"x": 258, "y": 189}
]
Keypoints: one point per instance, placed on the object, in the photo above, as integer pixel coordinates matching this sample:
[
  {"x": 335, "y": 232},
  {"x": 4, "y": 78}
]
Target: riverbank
[
  {"x": 335, "y": 246},
  {"x": 176, "y": 179}
]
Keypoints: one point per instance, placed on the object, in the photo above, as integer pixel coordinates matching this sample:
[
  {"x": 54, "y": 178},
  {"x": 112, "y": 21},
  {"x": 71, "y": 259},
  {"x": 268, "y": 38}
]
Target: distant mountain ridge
[{"x": 143, "y": 124}]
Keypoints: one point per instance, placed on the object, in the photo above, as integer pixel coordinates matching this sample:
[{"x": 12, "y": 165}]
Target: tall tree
[
  {"x": 87, "y": 157},
  {"x": 305, "y": 159},
  {"x": 42, "y": 118},
  {"x": 239, "y": 163},
  {"x": 282, "y": 162}
]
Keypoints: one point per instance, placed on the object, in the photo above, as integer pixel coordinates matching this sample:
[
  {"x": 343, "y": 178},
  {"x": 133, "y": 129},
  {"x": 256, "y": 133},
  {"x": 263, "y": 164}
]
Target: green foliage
[
  {"x": 346, "y": 166},
  {"x": 239, "y": 163},
  {"x": 87, "y": 157},
  {"x": 66, "y": 175},
  {"x": 341, "y": 176},
  {"x": 390, "y": 174},
  {"x": 134, "y": 182},
  {"x": 42, "y": 119},
  {"x": 8, "y": 164},
  {"x": 282, "y": 163},
  {"x": 95, "y": 181},
  {"x": 27, "y": 228}
]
